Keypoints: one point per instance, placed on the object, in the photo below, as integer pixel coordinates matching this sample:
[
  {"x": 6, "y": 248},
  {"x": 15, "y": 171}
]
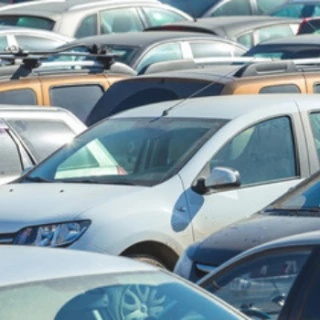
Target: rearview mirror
[{"x": 222, "y": 177}]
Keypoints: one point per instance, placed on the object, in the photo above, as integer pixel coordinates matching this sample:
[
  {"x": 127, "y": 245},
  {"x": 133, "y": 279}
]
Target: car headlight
[{"x": 52, "y": 235}]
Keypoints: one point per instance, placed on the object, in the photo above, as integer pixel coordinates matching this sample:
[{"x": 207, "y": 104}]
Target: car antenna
[{"x": 180, "y": 102}]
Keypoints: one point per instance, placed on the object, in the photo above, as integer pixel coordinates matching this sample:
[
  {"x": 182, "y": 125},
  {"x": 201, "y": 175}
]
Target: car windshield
[
  {"x": 304, "y": 199},
  {"x": 113, "y": 296},
  {"x": 194, "y": 8},
  {"x": 27, "y": 21},
  {"x": 124, "y": 54},
  {"x": 295, "y": 10},
  {"x": 137, "y": 151}
]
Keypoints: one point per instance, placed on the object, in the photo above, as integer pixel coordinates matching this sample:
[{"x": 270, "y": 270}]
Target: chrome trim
[{"x": 205, "y": 268}]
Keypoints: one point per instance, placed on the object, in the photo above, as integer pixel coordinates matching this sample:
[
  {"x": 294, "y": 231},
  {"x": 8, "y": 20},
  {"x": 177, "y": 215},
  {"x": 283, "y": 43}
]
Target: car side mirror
[{"x": 222, "y": 177}]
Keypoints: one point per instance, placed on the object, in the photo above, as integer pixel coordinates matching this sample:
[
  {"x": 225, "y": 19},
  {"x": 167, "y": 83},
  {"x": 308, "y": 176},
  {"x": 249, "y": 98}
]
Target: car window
[
  {"x": 283, "y": 88},
  {"x": 10, "y": 163},
  {"x": 3, "y": 43},
  {"x": 260, "y": 286},
  {"x": 120, "y": 20},
  {"x": 265, "y": 6},
  {"x": 274, "y": 32},
  {"x": 233, "y": 7},
  {"x": 88, "y": 27},
  {"x": 298, "y": 11},
  {"x": 211, "y": 49},
  {"x": 78, "y": 99},
  {"x": 158, "y": 17},
  {"x": 315, "y": 125},
  {"x": 27, "y": 21},
  {"x": 42, "y": 136},
  {"x": 19, "y": 97},
  {"x": 264, "y": 152},
  {"x": 164, "y": 52},
  {"x": 37, "y": 43},
  {"x": 246, "y": 40}
]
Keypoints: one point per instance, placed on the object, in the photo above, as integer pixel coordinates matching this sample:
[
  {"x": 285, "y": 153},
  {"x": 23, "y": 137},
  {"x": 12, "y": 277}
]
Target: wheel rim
[{"x": 139, "y": 302}]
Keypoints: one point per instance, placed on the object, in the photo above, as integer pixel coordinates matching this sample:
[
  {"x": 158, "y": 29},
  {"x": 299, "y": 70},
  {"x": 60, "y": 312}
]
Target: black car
[
  {"x": 213, "y": 8},
  {"x": 296, "y": 47},
  {"x": 277, "y": 280},
  {"x": 247, "y": 30},
  {"x": 298, "y": 211}
]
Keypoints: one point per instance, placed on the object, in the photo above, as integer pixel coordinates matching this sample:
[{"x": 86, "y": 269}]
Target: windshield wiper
[
  {"x": 293, "y": 211},
  {"x": 36, "y": 179}
]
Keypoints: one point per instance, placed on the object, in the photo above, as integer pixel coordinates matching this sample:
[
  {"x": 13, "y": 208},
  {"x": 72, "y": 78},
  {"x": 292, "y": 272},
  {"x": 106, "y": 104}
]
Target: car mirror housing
[{"x": 222, "y": 177}]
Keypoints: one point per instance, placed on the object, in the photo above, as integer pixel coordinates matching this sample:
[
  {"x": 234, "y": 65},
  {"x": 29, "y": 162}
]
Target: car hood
[
  {"x": 27, "y": 204},
  {"x": 247, "y": 233}
]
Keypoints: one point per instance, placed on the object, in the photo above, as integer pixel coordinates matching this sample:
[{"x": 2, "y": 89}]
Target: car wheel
[{"x": 148, "y": 259}]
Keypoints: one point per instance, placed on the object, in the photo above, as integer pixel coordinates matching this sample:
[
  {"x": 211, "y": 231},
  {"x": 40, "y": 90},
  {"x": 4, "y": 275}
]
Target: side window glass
[
  {"x": 265, "y": 6},
  {"x": 19, "y": 97},
  {"x": 285, "y": 88},
  {"x": 77, "y": 99},
  {"x": 10, "y": 164},
  {"x": 262, "y": 283},
  {"x": 165, "y": 52},
  {"x": 3, "y": 43},
  {"x": 315, "y": 125},
  {"x": 42, "y": 137},
  {"x": 158, "y": 17},
  {"x": 316, "y": 88},
  {"x": 274, "y": 32},
  {"x": 211, "y": 49},
  {"x": 233, "y": 8},
  {"x": 264, "y": 152},
  {"x": 246, "y": 40},
  {"x": 88, "y": 27},
  {"x": 37, "y": 43},
  {"x": 120, "y": 20}
]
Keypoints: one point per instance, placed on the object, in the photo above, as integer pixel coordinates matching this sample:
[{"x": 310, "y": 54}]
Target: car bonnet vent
[{"x": 257, "y": 69}]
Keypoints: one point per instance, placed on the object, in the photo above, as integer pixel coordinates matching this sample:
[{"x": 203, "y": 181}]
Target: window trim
[{"x": 206, "y": 167}]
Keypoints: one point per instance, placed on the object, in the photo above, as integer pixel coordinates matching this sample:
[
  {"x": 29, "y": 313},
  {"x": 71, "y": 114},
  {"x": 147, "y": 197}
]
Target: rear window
[
  {"x": 19, "y": 97},
  {"x": 42, "y": 137},
  {"x": 27, "y": 21},
  {"x": 125, "y": 95},
  {"x": 78, "y": 99}
]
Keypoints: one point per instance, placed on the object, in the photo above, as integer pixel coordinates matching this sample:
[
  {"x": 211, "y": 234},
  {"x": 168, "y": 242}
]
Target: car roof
[
  {"x": 22, "y": 264},
  {"x": 144, "y": 39},
  {"x": 305, "y": 39},
  {"x": 53, "y": 8},
  {"x": 232, "y": 25},
  {"x": 217, "y": 107}
]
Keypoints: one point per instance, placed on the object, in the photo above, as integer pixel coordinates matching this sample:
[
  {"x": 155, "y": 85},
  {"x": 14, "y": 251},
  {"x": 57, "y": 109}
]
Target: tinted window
[
  {"x": 265, "y": 6},
  {"x": 315, "y": 124},
  {"x": 233, "y": 7},
  {"x": 27, "y": 21},
  {"x": 211, "y": 49},
  {"x": 275, "y": 32},
  {"x": 77, "y": 99},
  {"x": 120, "y": 20},
  {"x": 29, "y": 42},
  {"x": 316, "y": 88},
  {"x": 158, "y": 17},
  {"x": 10, "y": 159},
  {"x": 261, "y": 283},
  {"x": 285, "y": 88},
  {"x": 310, "y": 26},
  {"x": 20, "y": 97},
  {"x": 88, "y": 27},
  {"x": 128, "y": 94},
  {"x": 165, "y": 52},
  {"x": 264, "y": 152},
  {"x": 42, "y": 136}
]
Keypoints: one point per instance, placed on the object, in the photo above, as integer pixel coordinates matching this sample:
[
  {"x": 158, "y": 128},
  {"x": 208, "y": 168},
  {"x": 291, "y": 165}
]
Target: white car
[
  {"x": 29, "y": 134},
  {"x": 174, "y": 173},
  {"x": 42, "y": 284}
]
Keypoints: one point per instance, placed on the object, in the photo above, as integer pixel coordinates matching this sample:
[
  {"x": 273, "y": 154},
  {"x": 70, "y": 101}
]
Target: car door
[
  {"x": 270, "y": 157},
  {"x": 259, "y": 285}
]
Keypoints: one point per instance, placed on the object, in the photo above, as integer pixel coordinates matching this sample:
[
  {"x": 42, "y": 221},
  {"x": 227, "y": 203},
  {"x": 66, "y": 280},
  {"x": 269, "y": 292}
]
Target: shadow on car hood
[{"x": 230, "y": 241}]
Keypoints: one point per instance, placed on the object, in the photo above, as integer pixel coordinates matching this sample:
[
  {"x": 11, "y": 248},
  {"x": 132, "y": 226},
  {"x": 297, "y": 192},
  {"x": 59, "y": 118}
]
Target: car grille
[
  {"x": 6, "y": 238},
  {"x": 202, "y": 269}
]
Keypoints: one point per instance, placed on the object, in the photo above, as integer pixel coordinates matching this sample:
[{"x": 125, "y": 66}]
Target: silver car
[
  {"x": 172, "y": 174},
  {"x": 42, "y": 284},
  {"x": 29, "y": 134}
]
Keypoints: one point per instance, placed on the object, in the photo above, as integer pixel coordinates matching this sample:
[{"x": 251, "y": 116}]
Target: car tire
[{"x": 148, "y": 259}]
